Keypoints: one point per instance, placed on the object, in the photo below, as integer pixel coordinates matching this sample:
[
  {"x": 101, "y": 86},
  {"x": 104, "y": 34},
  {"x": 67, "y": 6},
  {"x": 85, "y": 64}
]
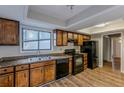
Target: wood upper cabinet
[
  {"x": 65, "y": 38},
  {"x": 75, "y": 37},
  {"x": 59, "y": 38},
  {"x": 7, "y": 80},
  {"x": 10, "y": 32},
  {"x": 86, "y": 37},
  {"x": 22, "y": 78},
  {"x": 36, "y": 76},
  {"x": 49, "y": 73},
  {"x": 80, "y": 39},
  {"x": 1, "y": 32},
  {"x": 70, "y": 36}
]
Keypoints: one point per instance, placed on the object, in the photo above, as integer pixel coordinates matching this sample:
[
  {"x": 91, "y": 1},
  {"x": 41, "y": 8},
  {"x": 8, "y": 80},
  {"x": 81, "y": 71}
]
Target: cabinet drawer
[
  {"x": 6, "y": 70},
  {"x": 34, "y": 65},
  {"x": 22, "y": 67},
  {"x": 49, "y": 63}
]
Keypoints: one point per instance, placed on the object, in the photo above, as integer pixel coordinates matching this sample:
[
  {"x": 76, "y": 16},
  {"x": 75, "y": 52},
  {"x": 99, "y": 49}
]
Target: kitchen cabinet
[
  {"x": 22, "y": 75},
  {"x": 49, "y": 73},
  {"x": 1, "y": 32},
  {"x": 36, "y": 76},
  {"x": 65, "y": 38},
  {"x": 59, "y": 38},
  {"x": 75, "y": 37},
  {"x": 42, "y": 72},
  {"x": 70, "y": 66},
  {"x": 80, "y": 39},
  {"x": 9, "y": 32},
  {"x": 86, "y": 38},
  {"x": 7, "y": 80},
  {"x": 70, "y": 36},
  {"x": 22, "y": 78},
  {"x": 85, "y": 60}
]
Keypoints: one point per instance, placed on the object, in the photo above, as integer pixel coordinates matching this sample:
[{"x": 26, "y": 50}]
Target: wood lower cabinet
[
  {"x": 7, "y": 80},
  {"x": 22, "y": 78},
  {"x": 49, "y": 73},
  {"x": 85, "y": 60},
  {"x": 70, "y": 66},
  {"x": 36, "y": 76}
]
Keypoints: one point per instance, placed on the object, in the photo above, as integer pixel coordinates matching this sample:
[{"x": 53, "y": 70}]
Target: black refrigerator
[{"x": 90, "y": 48}]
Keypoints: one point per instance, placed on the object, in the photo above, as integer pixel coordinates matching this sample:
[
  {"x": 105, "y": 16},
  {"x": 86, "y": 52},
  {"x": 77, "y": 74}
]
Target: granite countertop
[{"x": 31, "y": 60}]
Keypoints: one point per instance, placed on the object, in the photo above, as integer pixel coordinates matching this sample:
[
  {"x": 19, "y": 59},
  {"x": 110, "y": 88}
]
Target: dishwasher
[{"x": 62, "y": 68}]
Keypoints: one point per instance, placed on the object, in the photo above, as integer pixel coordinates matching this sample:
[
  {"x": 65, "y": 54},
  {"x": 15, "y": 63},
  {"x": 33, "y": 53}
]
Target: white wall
[
  {"x": 99, "y": 37},
  {"x": 106, "y": 49},
  {"x": 99, "y": 46},
  {"x": 117, "y": 47},
  {"x": 8, "y": 51}
]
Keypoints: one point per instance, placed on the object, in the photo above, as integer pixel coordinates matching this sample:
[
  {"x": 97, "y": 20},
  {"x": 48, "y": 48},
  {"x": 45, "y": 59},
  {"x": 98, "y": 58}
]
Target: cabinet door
[
  {"x": 22, "y": 78},
  {"x": 36, "y": 76},
  {"x": 7, "y": 80},
  {"x": 70, "y": 66},
  {"x": 80, "y": 39},
  {"x": 70, "y": 35},
  {"x": 1, "y": 32},
  {"x": 59, "y": 38},
  {"x": 75, "y": 37},
  {"x": 49, "y": 73},
  {"x": 10, "y": 32},
  {"x": 65, "y": 38}
]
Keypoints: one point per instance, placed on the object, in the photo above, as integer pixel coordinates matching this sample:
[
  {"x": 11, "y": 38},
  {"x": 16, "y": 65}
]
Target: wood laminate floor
[{"x": 99, "y": 77}]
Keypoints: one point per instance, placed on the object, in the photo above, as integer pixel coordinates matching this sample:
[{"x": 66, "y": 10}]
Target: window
[
  {"x": 54, "y": 38},
  {"x": 35, "y": 40}
]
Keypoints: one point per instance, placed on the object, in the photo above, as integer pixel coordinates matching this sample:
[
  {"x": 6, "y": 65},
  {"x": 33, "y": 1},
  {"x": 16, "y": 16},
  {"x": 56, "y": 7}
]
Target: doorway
[{"x": 112, "y": 51}]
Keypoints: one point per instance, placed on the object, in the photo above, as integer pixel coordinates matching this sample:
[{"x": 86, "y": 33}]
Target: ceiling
[
  {"x": 61, "y": 17},
  {"x": 61, "y": 12}
]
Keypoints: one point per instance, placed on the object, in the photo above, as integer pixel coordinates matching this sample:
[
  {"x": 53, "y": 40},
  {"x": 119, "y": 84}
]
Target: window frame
[
  {"x": 40, "y": 30},
  {"x": 54, "y": 38}
]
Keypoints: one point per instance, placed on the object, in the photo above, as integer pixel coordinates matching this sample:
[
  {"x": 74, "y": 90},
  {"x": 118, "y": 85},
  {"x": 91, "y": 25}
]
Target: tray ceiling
[{"x": 61, "y": 17}]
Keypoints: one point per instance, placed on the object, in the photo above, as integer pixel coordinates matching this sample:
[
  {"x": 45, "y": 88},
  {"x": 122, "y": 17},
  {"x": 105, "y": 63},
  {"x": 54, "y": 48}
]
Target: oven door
[{"x": 77, "y": 64}]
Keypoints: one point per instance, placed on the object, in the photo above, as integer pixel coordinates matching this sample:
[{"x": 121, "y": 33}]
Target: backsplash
[{"x": 62, "y": 48}]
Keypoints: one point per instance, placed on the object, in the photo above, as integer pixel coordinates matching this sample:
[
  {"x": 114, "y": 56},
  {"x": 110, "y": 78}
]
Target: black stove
[{"x": 77, "y": 61}]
